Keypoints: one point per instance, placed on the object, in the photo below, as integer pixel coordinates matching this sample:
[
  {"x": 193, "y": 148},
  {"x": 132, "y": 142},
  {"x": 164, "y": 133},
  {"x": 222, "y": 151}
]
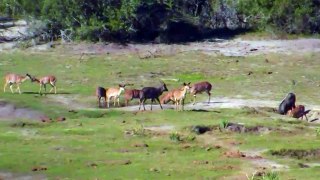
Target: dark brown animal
[
  {"x": 101, "y": 93},
  {"x": 288, "y": 103},
  {"x": 130, "y": 94},
  {"x": 199, "y": 88},
  {"x": 298, "y": 112},
  {"x": 152, "y": 93}
]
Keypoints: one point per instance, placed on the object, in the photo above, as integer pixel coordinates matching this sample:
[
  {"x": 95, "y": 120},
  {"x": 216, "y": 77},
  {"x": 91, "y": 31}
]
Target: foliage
[
  {"x": 113, "y": 19},
  {"x": 175, "y": 136},
  {"x": 270, "y": 176},
  {"x": 224, "y": 124},
  {"x": 291, "y": 16}
]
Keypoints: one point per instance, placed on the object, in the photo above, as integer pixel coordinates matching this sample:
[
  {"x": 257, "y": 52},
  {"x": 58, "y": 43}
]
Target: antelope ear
[
  {"x": 189, "y": 83},
  {"x": 184, "y": 84}
]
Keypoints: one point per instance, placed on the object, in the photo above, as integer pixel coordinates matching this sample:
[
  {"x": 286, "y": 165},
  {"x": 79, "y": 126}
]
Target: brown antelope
[
  {"x": 167, "y": 97},
  {"x": 43, "y": 81},
  {"x": 130, "y": 94},
  {"x": 298, "y": 112},
  {"x": 200, "y": 87},
  {"x": 12, "y": 79},
  {"x": 179, "y": 95},
  {"x": 115, "y": 94}
]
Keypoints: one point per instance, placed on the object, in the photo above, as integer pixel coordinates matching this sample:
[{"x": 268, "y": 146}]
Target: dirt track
[{"x": 235, "y": 47}]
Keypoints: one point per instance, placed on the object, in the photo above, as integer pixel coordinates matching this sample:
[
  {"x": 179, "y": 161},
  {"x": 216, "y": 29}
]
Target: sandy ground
[
  {"x": 235, "y": 47},
  {"x": 9, "y": 111}
]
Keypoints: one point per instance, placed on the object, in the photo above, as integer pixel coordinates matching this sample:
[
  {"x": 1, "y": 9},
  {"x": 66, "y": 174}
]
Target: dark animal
[
  {"x": 200, "y": 87},
  {"x": 130, "y": 94},
  {"x": 298, "y": 112},
  {"x": 101, "y": 93},
  {"x": 152, "y": 93},
  {"x": 288, "y": 103}
]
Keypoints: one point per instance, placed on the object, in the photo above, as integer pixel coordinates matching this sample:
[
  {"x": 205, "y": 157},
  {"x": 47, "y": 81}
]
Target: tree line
[{"x": 166, "y": 20}]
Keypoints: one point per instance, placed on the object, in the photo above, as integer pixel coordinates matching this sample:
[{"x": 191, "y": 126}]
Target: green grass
[{"x": 96, "y": 143}]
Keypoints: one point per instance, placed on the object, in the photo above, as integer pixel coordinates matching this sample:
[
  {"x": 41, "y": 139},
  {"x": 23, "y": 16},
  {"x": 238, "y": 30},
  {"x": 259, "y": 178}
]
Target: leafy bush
[
  {"x": 175, "y": 137},
  {"x": 224, "y": 124}
]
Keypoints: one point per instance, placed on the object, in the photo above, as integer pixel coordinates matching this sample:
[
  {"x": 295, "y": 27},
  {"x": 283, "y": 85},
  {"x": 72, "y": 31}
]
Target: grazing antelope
[
  {"x": 130, "y": 94},
  {"x": 12, "y": 79},
  {"x": 167, "y": 97},
  {"x": 101, "y": 93},
  {"x": 115, "y": 94},
  {"x": 152, "y": 93},
  {"x": 43, "y": 81},
  {"x": 179, "y": 95},
  {"x": 288, "y": 103},
  {"x": 200, "y": 87},
  {"x": 298, "y": 112}
]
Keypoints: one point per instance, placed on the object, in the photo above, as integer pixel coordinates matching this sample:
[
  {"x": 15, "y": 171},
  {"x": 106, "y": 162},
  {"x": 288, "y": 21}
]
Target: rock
[
  {"x": 141, "y": 145},
  {"x": 61, "y": 119},
  {"x": 234, "y": 154},
  {"x": 39, "y": 168},
  {"x": 45, "y": 119},
  {"x": 200, "y": 129}
]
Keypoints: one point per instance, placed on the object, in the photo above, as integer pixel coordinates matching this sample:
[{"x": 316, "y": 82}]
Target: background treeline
[{"x": 166, "y": 20}]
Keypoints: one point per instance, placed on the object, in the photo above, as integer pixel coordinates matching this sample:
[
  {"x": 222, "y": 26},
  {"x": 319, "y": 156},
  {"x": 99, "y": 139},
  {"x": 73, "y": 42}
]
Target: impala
[
  {"x": 12, "y": 79},
  {"x": 200, "y": 87},
  {"x": 130, "y": 94},
  {"x": 167, "y": 97},
  {"x": 114, "y": 92},
  {"x": 179, "y": 96},
  {"x": 43, "y": 81}
]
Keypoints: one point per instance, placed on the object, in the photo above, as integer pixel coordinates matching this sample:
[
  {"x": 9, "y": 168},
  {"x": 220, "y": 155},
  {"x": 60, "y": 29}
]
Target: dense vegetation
[{"x": 167, "y": 20}]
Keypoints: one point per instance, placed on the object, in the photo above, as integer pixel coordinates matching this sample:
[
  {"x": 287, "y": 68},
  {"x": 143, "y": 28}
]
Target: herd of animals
[{"x": 177, "y": 96}]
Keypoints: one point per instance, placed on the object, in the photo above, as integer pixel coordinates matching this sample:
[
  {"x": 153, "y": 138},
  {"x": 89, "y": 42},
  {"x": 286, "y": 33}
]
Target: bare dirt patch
[
  {"x": 234, "y": 47},
  {"x": 9, "y": 111},
  {"x": 19, "y": 176}
]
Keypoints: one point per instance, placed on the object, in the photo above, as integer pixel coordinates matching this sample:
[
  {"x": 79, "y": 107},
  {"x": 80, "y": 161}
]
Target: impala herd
[
  {"x": 177, "y": 96},
  {"x": 15, "y": 79}
]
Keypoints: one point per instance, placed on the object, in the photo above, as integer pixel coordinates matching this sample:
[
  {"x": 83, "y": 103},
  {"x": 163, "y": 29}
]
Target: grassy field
[{"x": 113, "y": 144}]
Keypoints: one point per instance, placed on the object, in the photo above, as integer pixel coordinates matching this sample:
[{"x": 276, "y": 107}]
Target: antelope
[
  {"x": 200, "y": 87},
  {"x": 43, "y": 81},
  {"x": 114, "y": 92},
  {"x": 167, "y": 97},
  {"x": 298, "y": 112},
  {"x": 288, "y": 103},
  {"x": 179, "y": 95},
  {"x": 12, "y": 79},
  {"x": 101, "y": 93},
  {"x": 130, "y": 94},
  {"x": 152, "y": 93}
]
